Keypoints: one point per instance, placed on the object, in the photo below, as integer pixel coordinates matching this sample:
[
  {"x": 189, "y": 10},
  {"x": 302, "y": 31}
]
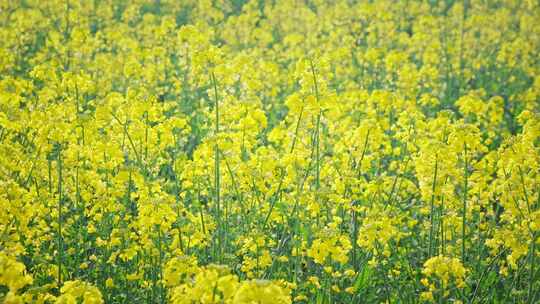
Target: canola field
[{"x": 269, "y": 151}]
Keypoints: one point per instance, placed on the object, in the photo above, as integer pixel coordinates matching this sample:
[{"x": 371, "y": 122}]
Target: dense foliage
[{"x": 269, "y": 151}]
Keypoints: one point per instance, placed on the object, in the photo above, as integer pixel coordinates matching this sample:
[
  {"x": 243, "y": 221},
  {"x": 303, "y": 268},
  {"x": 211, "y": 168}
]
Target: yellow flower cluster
[
  {"x": 215, "y": 284},
  {"x": 13, "y": 275},
  {"x": 440, "y": 272},
  {"x": 378, "y": 230},
  {"x": 79, "y": 292},
  {"x": 330, "y": 244}
]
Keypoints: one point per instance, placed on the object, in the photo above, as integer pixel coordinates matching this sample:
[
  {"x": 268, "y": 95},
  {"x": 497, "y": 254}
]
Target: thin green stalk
[
  {"x": 354, "y": 215},
  {"x": 217, "y": 169},
  {"x": 27, "y": 180},
  {"x": 78, "y": 205},
  {"x": 49, "y": 168},
  {"x": 160, "y": 260},
  {"x": 125, "y": 127},
  {"x": 201, "y": 211},
  {"x": 297, "y": 241},
  {"x": 465, "y": 193},
  {"x": 461, "y": 46},
  {"x": 146, "y": 136},
  {"x": 432, "y": 213},
  {"x": 530, "y": 295},
  {"x": 235, "y": 186},
  {"x": 317, "y": 133},
  {"x": 60, "y": 240},
  {"x": 272, "y": 204},
  {"x": 364, "y": 150},
  {"x": 296, "y": 129},
  {"x": 441, "y": 223},
  {"x": 486, "y": 270},
  {"x": 316, "y": 142},
  {"x": 354, "y": 236}
]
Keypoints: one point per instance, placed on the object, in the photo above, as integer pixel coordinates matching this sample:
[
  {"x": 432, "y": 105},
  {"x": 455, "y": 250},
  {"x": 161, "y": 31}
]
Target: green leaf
[{"x": 363, "y": 278}]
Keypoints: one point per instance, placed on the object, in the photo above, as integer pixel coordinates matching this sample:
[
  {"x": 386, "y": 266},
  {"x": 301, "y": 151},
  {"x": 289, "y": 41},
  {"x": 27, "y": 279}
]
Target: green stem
[
  {"x": 530, "y": 297},
  {"x": 465, "y": 193},
  {"x": 160, "y": 260},
  {"x": 432, "y": 213},
  {"x": 317, "y": 133},
  {"x": 217, "y": 171},
  {"x": 60, "y": 241},
  {"x": 276, "y": 195}
]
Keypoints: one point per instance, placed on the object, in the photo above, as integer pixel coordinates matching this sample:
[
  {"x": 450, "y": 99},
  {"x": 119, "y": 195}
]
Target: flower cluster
[
  {"x": 441, "y": 273},
  {"x": 215, "y": 284}
]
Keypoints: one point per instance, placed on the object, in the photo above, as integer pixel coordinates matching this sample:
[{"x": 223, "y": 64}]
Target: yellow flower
[
  {"x": 13, "y": 274},
  {"x": 75, "y": 290},
  {"x": 263, "y": 292},
  {"x": 443, "y": 271}
]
